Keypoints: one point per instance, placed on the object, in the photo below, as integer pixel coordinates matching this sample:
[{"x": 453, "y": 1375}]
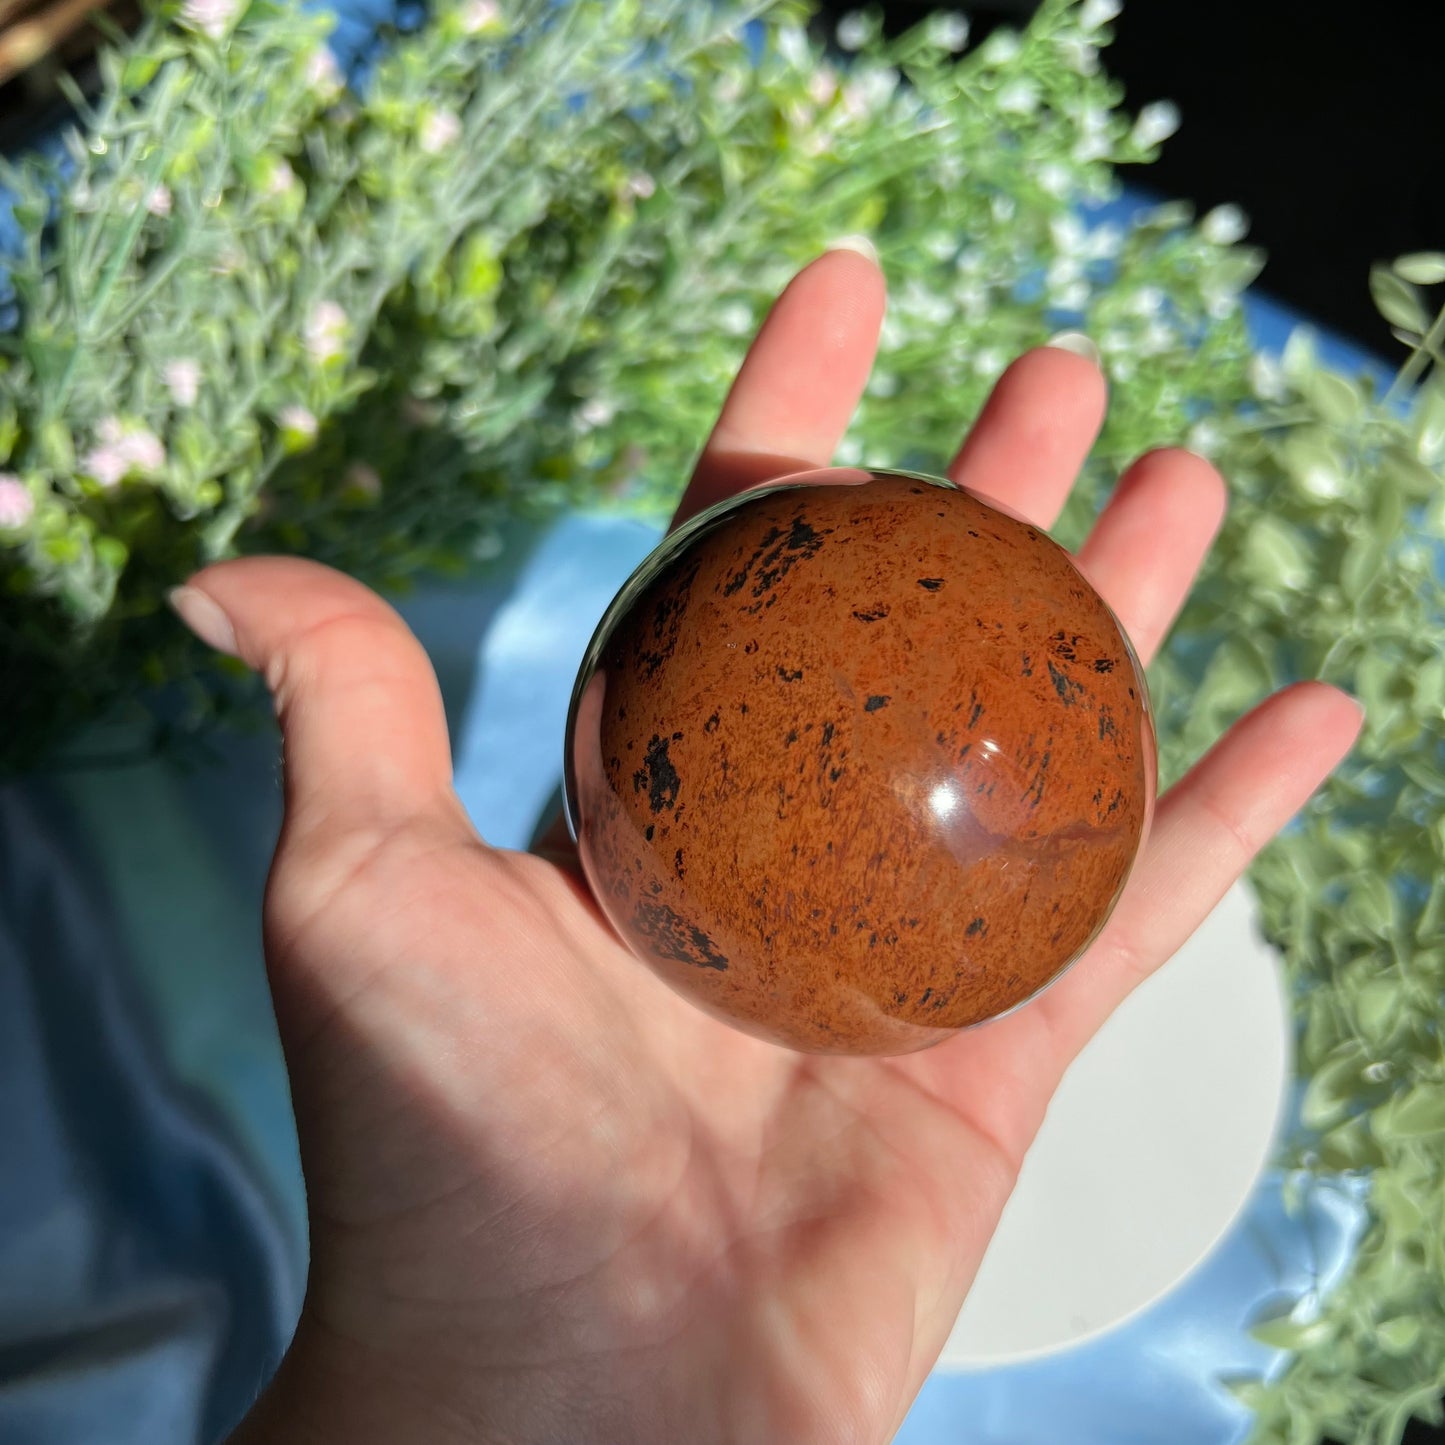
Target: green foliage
[{"x": 518, "y": 272}]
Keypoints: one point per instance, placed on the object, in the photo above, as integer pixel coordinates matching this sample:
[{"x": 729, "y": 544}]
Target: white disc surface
[{"x": 1151, "y": 1149}]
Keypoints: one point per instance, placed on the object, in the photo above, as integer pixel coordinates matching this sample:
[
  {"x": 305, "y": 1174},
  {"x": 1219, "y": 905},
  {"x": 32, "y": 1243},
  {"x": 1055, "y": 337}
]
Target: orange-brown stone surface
[{"x": 854, "y": 766}]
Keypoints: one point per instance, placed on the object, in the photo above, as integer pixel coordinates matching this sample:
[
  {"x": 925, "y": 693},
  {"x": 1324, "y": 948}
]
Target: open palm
[{"x": 549, "y": 1199}]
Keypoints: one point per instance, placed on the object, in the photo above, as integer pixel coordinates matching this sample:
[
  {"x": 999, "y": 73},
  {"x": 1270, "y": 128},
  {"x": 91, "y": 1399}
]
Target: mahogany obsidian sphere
[{"x": 857, "y": 760}]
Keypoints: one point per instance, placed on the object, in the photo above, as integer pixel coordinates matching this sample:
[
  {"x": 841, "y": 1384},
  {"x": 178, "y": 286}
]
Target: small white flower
[
  {"x": 1155, "y": 339},
  {"x": 869, "y": 91},
  {"x": 793, "y": 46},
  {"x": 1113, "y": 342},
  {"x": 989, "y": 362},
  {"x": 854, "y": 31},
  {"x": 121, "y": 452},
  {"x": 1019, "y": 97},
  {"x": 1266, "y": 376},
  {"x": 1002, "y": 47},
  {"x": 1094, "y": 120},
  {"x": 948, "y": 30},
  {"x": 883, "y": 384},
  {"x": 183, "y": 380},
  {"x": 823, "y": 84},
  {"x": 818, "y": 143},
  {"x": 639, "y": 184},
  {"x": 16, "y": 504},
  {"x": 1090, "y": 148},
  {"x": 281, "y": 178},
  {"x": 1156, "y": 122},
  {"x": 324, "y": 334},
  {"x": 1147, "y": 301},
  {"x": 1002, "y": 208},
  {"x": 1056, "y": 179},
  {"x": 144, "y": 450},
  {"x": 1098, "y": 12},
  {"x": 1068, "y": 236},
  {"x": 1205, "y": 437},
  {"x": 941, "y": 247},
  {"x": 323, "y": 74},
  {"x": 1073, "y": 297},
  {"x": 1079, "y": 56},
  {"x": 158, "y": 202},
  {"x": 1104, "y": 243},
  {"x": 480, "y": 15},
  {"x": 213, "y": 17},
  {"x": 735, "y": 318},
  {"x": 729, "y": 90},
  {"x": 297, "y": 420},
  {"x": 596, "y": 411},
  {"x": 228, "y": 262},
  {"x": 849, "y": 452},
  {"x": 362, "y": 478},
  {"x": 106, "y": 465},
  {"x": 1121, "y": 368},
  {"x": 973, "y": 298},
  {"x": 1224, "y": 225},
  {"x": 1063, "y": 271},
  {"x": 440, "y": 129},
  {"x": 1219, "y": 302}
]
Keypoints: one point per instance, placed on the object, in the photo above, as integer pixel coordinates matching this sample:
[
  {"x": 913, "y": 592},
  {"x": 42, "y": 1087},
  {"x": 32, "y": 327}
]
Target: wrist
[{"x": 326, "y": 1393}]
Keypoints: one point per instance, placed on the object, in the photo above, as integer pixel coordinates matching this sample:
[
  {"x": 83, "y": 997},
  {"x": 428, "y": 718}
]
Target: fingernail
[
  {"x": 861, "y": 244},
  {"x": 1076, "y": 342},
  {"x": 203, "y": 615}
]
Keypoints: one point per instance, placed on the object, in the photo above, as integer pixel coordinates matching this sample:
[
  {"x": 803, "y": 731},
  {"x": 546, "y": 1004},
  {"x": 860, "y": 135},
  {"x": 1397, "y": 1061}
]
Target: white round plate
[{"x": 1151, "y": 1149}]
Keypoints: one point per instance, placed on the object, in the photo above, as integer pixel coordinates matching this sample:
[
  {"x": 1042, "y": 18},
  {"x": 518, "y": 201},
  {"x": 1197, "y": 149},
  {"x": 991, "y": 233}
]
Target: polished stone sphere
[{"x": 857, "y": 760}]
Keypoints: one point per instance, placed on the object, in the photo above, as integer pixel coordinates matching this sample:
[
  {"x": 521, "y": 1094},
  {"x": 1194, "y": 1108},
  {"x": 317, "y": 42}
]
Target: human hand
[{"x": 551, "y": 1201}]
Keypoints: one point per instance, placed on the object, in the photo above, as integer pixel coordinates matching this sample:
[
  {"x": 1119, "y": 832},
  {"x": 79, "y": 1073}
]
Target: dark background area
[{"x": 1324, "y": 121}]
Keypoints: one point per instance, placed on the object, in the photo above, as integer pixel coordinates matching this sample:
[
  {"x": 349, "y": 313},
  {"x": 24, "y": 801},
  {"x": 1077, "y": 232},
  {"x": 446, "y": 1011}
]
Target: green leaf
[
  {"x": 1397, "y": 300},
  {"x": 1413, "y": 477},
  {"x": 1287, "y": 1334},
  {"x": 1313, "y": 458},
  {"x": 1429, "y": 687},
  {"x": 1416, "y": 1114},
  {"x": 1273, "y": 553},
  {"x": 1400, "y": 1335},
  {"x": 1424, "y": 268},
  {"x": 1377, "y": 1005},
  {"x": 1361, "y": 564},
  {"x": 1331, "y": 1088},
  {"x": 1340, "y": 402}
]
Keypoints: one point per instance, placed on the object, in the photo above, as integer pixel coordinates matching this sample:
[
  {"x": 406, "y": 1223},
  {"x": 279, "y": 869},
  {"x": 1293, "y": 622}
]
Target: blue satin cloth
[{"x": 152, "y": 1215}]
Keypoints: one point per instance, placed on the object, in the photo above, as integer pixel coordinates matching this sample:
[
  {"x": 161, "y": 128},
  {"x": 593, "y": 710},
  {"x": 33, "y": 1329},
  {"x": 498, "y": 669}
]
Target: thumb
[{"x": 363, "y": 729}]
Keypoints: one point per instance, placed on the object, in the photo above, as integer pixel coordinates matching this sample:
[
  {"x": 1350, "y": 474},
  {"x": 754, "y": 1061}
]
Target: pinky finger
[{"x": 1206, "y": 830}]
